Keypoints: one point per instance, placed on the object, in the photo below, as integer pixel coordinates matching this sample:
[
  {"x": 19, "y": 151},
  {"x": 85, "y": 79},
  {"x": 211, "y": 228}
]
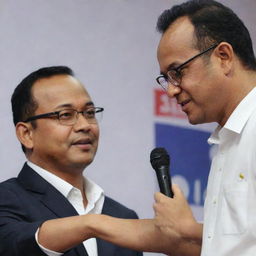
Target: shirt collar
[
  {"x": 237, "y": 119},
  {"x": 93, "y": 191}
]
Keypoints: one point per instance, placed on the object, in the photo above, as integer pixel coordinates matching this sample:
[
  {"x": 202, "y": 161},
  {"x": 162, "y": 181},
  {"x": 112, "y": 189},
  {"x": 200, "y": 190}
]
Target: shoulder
[
  {"x": 10, "y": 185},
  {"x": 12, "y": 192},
  {"x": 116, "y": 209}
]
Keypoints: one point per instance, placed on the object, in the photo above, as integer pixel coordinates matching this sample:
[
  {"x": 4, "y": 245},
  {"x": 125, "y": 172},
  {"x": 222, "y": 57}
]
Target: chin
[
  {"x": 195, "y": 121},
  {"x": 82, "y": 160},
  {"x": 198, "y": 118},
  {"x": 80, "y": 165}
]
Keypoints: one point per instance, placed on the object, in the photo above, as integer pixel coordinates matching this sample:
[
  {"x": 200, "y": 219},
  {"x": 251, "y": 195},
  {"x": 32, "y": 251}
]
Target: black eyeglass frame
[
  {"x": 57, "y": 113},
  {"x": 169, "y": 79}
]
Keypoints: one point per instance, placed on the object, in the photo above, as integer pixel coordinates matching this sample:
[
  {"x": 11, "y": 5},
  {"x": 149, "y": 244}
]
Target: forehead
[
  {"x": 176, "y": 43},
  {"x": 59, "y": 90}
]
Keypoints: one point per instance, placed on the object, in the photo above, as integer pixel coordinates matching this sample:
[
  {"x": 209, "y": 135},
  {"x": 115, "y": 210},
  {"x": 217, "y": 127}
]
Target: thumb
[{"x": 177, "y": 191}]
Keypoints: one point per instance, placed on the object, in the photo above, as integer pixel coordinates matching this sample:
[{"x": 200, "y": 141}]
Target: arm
[
  {"x": 19, "y": 223},
  {"x": 174, "y": 230},
  {"x": 130, "y": 233},
  {"x": 139, "y": 235},
  {"x": 17, "y": 233}
]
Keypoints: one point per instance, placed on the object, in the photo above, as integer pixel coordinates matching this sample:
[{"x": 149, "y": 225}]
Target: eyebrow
[{"x": 68, "y": 105}]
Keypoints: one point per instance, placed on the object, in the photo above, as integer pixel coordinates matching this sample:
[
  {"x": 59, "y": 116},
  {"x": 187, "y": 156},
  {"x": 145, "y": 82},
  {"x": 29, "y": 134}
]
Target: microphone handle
[{"x": 164, "y": 180}]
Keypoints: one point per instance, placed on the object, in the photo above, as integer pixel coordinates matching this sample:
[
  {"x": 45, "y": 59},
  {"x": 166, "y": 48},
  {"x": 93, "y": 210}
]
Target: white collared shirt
[
  {"x": 230, "y": 206},
  {"x": 94, "y": 195}
]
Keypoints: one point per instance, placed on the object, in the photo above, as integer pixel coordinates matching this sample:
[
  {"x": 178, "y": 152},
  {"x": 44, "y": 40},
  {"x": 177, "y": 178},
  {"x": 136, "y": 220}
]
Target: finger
[
  {"x": 155, "y": 209},
  {"x": 177, "y": 191},
  {"x": 159, "y": 197}
]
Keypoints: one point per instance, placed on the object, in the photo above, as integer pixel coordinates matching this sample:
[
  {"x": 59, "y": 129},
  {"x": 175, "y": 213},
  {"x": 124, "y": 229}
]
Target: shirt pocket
[{"x": 234, "y": 208}]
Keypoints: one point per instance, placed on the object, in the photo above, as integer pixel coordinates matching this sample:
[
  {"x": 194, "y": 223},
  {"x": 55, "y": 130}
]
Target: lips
[
  {"x": 184, "y": 102},
  {"x": 82, "y": 141}
]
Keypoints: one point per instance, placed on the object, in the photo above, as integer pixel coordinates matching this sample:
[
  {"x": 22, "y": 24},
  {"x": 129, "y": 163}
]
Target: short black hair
[
  {"x": 213, "y": 23},
  {"x": 23, "y": 103}
]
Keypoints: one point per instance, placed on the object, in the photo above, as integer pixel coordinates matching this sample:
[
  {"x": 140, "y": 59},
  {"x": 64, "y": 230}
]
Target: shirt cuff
[{"x": 46, "y": 251}]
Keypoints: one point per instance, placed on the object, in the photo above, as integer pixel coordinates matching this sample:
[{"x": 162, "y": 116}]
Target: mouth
[
  {"x": 83, "y": 143},
  {"x": 184, "y": 102}
]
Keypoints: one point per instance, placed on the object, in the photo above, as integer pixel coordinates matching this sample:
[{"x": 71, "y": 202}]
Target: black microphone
[{"x": 160, "y": 162}]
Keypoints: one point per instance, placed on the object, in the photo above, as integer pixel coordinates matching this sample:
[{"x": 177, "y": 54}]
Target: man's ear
[
  {"x": 24, "y": 132},
  {"x": 225, "y": 54}
]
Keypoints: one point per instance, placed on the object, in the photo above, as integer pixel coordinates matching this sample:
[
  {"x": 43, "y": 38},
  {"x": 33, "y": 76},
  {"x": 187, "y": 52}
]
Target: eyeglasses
[
  {"x": 174, "y": 75},
  {"x": 69, "y": 116}
]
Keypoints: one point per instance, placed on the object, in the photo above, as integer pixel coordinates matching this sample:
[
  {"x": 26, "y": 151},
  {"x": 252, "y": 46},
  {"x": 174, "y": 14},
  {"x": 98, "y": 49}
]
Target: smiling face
[
  {"x": 201, "y": 85},
  {"x": 61, "y": 148}
]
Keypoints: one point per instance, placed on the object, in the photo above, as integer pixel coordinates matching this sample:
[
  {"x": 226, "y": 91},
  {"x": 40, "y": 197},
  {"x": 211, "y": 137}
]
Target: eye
[
  {"x": 162, "y": 80},
  {"x": 90, "y": 113},
  {"x": 182, "y": 71},
  {"x": 66, "y": 114}
]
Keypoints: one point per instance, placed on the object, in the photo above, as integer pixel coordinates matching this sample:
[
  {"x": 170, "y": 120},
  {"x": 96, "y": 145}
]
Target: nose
[{"x": 173, "y": 91}]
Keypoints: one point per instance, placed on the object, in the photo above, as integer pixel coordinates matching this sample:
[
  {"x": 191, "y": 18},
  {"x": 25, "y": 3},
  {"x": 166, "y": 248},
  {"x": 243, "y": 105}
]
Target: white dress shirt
[
  {"x": 94, "y": 195},
  {"x": 230, "y": 206}
]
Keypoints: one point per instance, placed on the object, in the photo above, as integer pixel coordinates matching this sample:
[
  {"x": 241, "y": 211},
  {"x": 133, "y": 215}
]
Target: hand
[{"x": 174, "y": 218}]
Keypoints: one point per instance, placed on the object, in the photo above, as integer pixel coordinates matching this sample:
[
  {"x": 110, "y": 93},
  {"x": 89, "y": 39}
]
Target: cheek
[
  {"x": 202, "y": 89},
  {"x": 96, "y": 131},
  {"x": 50, "y": 135}
]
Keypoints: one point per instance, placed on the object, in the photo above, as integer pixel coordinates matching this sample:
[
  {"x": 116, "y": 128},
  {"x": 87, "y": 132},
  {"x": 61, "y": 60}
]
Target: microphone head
[{"x": 159, "y": 157}]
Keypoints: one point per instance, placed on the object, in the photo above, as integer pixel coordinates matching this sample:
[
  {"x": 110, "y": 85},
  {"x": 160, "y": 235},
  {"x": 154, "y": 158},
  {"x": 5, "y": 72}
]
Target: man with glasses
[
  {"x": 207, "y": 63},
  {"x": 57, "y": 125}
]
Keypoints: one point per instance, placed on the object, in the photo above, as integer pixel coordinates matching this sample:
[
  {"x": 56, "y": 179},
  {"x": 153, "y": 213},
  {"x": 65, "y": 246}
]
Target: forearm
[
  {"x": 136, "y": 234},
  {"x": 143, "y": 235},
  {"x": 63, "y": 234}
]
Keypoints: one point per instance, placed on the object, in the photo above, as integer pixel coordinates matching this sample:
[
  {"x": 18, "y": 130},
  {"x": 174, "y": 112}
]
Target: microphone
[{"x": 160, "y": 162}]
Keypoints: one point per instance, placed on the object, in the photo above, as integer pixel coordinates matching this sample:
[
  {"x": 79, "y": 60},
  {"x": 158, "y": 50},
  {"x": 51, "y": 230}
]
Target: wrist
[
  {"x": 90, "y": 225},
  {"x": 193, "y": 232}
]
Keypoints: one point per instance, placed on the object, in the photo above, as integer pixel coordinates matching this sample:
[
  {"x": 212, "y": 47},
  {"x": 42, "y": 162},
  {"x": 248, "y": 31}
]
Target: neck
[
  {"x": 71, "y": 174},
  {"x": 76, "y": 180}
]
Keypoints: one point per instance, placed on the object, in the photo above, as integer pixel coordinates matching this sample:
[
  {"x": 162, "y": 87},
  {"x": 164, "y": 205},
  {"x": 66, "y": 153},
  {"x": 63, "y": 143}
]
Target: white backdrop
[{"x": 111, "y": 46}]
